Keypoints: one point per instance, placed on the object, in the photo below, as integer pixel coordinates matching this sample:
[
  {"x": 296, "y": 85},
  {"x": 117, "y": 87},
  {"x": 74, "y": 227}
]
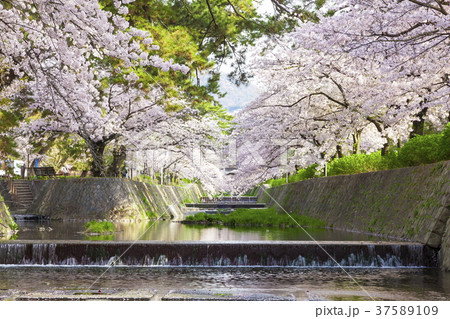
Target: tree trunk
[
  {"x": 386, "y": 147},
  {"x": 419, "y": 125},
  {"x": 339, "y": 153},
  {"x": 119, "y": 157},
  {"x": 356, "y": 142},
  {"x": 97, "y": 150}
]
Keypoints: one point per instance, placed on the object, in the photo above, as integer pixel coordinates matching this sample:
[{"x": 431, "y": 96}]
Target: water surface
[
  {"x": 174, "y": 231},
  {"x": 303, "y": 283}
]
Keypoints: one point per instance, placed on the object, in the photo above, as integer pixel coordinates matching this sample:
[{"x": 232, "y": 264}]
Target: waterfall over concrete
[{"x": 157, "y": 253}]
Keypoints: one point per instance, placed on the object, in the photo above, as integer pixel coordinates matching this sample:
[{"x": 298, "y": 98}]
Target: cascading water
[{"x": 293, "y": 254}]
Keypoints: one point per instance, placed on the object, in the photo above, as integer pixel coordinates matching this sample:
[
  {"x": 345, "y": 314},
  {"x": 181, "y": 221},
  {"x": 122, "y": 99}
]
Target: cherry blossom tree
[
  {"x": 371, "y": 70},
  {"x": 410, "y": 39},
  {"x": 81, "y": 64},
  {"x": 314, "y": 105},
  {"x": 190, "y": 146}
]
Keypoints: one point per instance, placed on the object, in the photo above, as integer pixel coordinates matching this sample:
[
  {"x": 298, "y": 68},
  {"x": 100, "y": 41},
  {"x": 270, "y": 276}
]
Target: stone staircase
[{"x": 23, "y": 197}]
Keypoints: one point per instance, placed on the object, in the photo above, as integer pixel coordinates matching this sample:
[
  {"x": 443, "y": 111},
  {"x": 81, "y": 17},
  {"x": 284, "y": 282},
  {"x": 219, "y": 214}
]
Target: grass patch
[
  {"x": 255, "y": 217},
  {"x": 96, "y": 227}
]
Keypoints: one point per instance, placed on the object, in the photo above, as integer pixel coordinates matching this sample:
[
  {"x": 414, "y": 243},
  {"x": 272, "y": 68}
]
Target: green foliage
[
  {"x": 276, "y": 182},
  {"x": 213, "y": 29},
  {"x": 69, "y": 149},
  {"x": 445, "y": 143},
  {"x": 7, "y": 144},
  {"x": 301, "y": 175},
  {"x": 256, "y": 217},
  {"x": 13, "y": 226},
  {"x": 189, "y": 181},
  {"x": 182, "y": 31},
  {"x": 99, "y": 227},
  {"x": 358, "y": 163},
  {"x": 202, "y": 34},
  {"x": 305, "y": 173},
  {"x": 420, "y": 150}
]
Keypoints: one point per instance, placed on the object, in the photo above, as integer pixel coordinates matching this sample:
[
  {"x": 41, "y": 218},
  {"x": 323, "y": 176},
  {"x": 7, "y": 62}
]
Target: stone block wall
[{"x": 109, "y": 198}]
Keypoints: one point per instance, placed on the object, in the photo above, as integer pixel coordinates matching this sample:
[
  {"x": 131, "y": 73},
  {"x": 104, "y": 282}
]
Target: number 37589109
[{"x": 407, "y": 310}]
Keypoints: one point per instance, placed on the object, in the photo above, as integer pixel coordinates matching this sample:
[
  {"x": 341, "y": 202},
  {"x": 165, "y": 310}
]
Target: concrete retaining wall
[
  {"x": 109, "y": 198},
  {"x": 409, "y": 203}
]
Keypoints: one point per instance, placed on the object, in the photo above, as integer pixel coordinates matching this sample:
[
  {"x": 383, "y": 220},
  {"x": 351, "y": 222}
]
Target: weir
[
  {"x": 227, "y": 202},
  {"x": 157, "y": 253}
]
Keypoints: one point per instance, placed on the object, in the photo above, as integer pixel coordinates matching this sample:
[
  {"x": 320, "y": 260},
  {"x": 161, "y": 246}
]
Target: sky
[{"x": 239, "y": 96}]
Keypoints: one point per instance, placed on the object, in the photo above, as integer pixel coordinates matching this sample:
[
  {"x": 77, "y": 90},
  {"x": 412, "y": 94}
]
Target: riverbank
[{"x": 409, "y": 203}]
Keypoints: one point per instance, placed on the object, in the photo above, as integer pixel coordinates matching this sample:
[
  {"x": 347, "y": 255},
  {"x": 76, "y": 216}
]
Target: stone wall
[
  {"x": 7, "y": 224},
  {"x": 409, "y": 203},
  {"x": 109, "y": 198}
]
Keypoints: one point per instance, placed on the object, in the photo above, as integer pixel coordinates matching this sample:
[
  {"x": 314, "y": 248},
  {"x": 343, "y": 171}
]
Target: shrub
[
  {"x": 301, "y": 175},
  {"x": 99, "y": 227},
  {"x": 305, "y": 173},
  {"x": 358, "y": 163},
  {"x": 445, "y": 144},
  {"x": 277, "y": 182},
  {"x": 420, "y": 150}
]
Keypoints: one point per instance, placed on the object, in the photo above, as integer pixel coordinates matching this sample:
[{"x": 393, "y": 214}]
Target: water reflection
[{"x": 173, "y": 231}]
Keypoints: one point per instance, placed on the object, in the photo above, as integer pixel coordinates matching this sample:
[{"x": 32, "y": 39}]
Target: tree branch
[
  {"x": 211, "y": 13},
  {"x": 427, "y": 5}
]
